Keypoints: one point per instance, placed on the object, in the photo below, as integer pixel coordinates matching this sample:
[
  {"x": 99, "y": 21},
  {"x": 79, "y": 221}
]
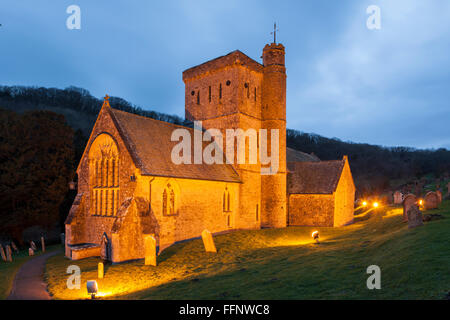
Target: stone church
[{"x": 128, "y": 187}]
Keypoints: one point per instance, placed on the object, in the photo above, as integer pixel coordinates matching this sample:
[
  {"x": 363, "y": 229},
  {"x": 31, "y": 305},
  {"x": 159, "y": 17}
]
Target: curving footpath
[{"x": 28, "y": 283}]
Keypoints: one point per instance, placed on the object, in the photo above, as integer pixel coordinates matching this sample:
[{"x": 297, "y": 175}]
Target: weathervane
[{"x": 274, "y": 32}]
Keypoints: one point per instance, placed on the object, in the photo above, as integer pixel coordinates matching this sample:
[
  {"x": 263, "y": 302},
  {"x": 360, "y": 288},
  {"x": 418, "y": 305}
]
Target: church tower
[{"x": 236, "y": 92}]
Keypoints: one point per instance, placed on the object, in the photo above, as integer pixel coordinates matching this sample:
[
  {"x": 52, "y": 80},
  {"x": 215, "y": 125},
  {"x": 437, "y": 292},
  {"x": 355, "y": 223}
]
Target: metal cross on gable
[{"x": 274, "y": 32}]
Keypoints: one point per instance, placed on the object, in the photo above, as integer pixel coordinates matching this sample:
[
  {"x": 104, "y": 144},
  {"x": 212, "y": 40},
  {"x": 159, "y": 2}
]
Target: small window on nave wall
[
  {"x": 168, "y": 201},
  {"x": 226, "y": 202},
  {"x": 104, "y": 176}
]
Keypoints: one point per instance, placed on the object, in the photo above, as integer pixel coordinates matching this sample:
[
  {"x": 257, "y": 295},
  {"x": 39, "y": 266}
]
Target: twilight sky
[{"x": 388, "y": 87}]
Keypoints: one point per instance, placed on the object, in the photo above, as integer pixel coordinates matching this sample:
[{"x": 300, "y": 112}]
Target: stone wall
[
  {"x": 93, "y": 227},
  {"x": 344, "y": 198},
  {"x": 311, "y": 210},
  {"x": 198, "y": 206}
]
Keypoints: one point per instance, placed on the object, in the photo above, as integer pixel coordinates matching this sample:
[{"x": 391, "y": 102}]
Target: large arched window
[
  {"x": 104, "y": 176},
  {"x": 169, "y": 201}
]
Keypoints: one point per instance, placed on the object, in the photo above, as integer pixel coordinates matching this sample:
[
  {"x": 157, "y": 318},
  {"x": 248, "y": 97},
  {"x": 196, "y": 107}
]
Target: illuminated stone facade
[{"x": 129, "y": 188}]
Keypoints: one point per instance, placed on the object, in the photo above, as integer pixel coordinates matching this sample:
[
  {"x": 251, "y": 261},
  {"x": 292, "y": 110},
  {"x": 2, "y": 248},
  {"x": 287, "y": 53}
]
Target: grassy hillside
[{"x": 285, "y": 264}]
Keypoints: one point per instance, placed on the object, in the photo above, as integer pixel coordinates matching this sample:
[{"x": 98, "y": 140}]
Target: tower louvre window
[
  {"x": 220, "y": 91},
  {"x": 246, "y": 86},
  {"x": 257, "y": 212},
  {"x": 209, "y": 94},
  {"x": 198, "y": 97},
  {"x": 255, "y": 94}
]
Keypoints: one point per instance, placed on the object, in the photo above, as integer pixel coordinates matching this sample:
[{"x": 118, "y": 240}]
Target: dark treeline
[
  {"x": 374, "y": 167},
  {"x": 37, "y": 162},
  {"x": 41, "y": 144},
  {"x": 73, "y": 98}
]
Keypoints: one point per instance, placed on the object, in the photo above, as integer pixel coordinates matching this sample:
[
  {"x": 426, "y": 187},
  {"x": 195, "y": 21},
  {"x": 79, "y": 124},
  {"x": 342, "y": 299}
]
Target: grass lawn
[
  {"x": 284, "y": 264},
  {"x": 8, "y": 270}
]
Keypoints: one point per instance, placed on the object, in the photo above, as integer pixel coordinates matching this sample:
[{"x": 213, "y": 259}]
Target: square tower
[{"x": 229, "y": 93}]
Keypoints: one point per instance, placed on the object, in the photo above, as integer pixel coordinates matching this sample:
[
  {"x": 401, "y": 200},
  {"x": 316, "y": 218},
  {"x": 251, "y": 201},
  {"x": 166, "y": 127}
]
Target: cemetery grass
[
  {"x": 284, "y": 264},
  {"x": 8, "y": 270}
]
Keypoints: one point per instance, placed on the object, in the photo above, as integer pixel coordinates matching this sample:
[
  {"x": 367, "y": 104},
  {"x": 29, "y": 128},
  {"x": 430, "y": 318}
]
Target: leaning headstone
[
  {"x": 2, "y": 252},
  {"x": 150, "y": 250},
  {"x": 63, "y": 238},
  {"x": 33, "y": 245},
  {"x": 431, "y": 200},
  {"x": 439, "y": 195},
  {"x": 100, "y": 270},
  {"x": 208, "y": 241},
  {"x": 398, "y": 197},
  {"x": 13, "y": 245},
  {"x": 408, "y": 201},
  {"x": 43, "y": 244},
  {"x": 8, "y": 253},
  {"x": 30, "y": 252},
  {"x": 414, "y": 217}
]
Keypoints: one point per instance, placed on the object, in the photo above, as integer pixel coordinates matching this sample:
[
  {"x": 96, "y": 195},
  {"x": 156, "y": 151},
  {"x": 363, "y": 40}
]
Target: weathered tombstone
[
  {"x": 100, "y": 270},
  {"x": 13, "y": 245},
  {"x": 105, "y": 249},
  {"x": 8, "y": 253},
  {"x": 30, "y": 252},
  {"x": 414, "y": 217},
  {"x": 439, "y": 195},
  {"x": 431, "y": 200},
  {"x": 408, "y": 201},
  {"x": 33, "y": 245},
  {"x": 43, "y": 244},
  {"x": 398, "y": 197},
  {"x": 448, "y": 189},
  {"x": 2, "y": 252},
  {"x": 63, "y": 238},
  {"x": 150, "y": 250},
  {"x": 208, "y": 241}
]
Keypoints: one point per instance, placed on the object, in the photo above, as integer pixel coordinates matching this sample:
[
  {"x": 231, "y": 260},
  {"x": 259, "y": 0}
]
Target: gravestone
[
  {"x": 150, "y": 250},
  {"x": 8, "y": 253},
  {"x": 208, "y": 241},
  {"x": 431, "y": 200},
  {"x": 43, "y": 244},
  {"x": 100, "y": 270},
  {"x": 13, "y": 245},
  {"x": 30, "y": 252},
  {"x": 414, "y": 217},
  {"x": 408, "y": 201},
  {"x": 33, "y": 245},
  {"x": 448, "y": 189},
  {"x": 398, "y": 197},
  {"x": 439, "y": 195},
  {"x": 63, "y": 238},
  {"x": 2, "y": 252}
]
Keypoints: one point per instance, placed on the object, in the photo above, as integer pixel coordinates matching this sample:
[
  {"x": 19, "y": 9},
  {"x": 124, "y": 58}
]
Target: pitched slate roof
[
  {"x": 314, "y": 177},
  {"x": 149, "y": 143},
  {"x": 293, "y": 155}
]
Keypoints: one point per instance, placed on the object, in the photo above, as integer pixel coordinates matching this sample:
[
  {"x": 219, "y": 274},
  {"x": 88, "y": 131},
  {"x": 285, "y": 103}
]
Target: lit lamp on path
[
  {"x": 92, "y": 288},
  {"x": 364, "y": 203},
  {"x": 376, "y": 205},
  {"x": 315, "y": 236}
]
